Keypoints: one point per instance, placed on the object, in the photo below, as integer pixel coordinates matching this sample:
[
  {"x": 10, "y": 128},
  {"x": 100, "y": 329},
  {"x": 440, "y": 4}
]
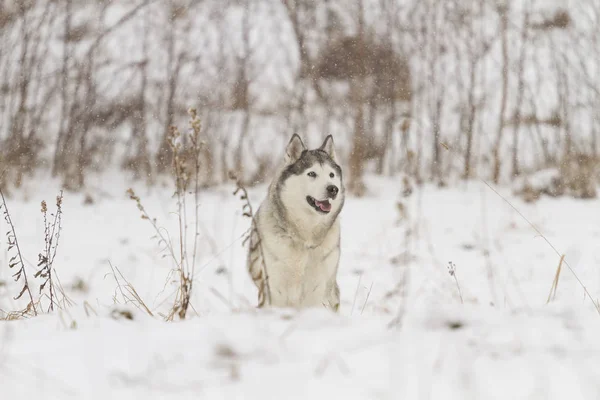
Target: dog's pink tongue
[{"x": 324, "y": 206}]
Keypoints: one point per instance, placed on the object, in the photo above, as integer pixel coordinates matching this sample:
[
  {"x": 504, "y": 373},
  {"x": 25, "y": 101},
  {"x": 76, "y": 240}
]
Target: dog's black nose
[{"x": 332, "y": 191}]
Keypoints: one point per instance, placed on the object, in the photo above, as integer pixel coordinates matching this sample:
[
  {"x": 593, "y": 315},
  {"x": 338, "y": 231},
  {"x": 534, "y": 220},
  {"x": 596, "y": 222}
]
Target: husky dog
[{"x": 295, "y": 237}]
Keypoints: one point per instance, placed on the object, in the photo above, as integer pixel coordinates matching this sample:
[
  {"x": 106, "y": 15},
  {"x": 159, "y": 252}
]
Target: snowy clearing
[{"x": 402, "y": 331}]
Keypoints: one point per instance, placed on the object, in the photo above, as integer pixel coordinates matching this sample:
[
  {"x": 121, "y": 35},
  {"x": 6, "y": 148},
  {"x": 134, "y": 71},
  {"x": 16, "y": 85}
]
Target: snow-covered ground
[{"x": 404, "y": 330}]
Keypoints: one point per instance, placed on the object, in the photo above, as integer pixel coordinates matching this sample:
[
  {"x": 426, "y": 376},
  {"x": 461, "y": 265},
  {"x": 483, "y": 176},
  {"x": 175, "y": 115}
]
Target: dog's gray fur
[{"x": 294, "y": 246}]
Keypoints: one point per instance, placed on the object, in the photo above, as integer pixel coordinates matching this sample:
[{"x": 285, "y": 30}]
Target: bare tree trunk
[
  {"x": 357, "y": 155},
  {"x": 86, "y": 118},
  {"x": 546, "y": 156},
  {"x": 296, "y": 10},
  {"x": 22, "y": 148},
  {"x": 163, "y": 156},
  {"x": 503, "y": 11},
  {"x": 436, "y": 90},
  {"x": 375, "y": 148},
  {"x": 520, "y": 94},
  {"x": 469, "y": 149},
  {"x": 208, "y": 149},
  {"x": 388, "y": 140},
  {"x": 563, "y": 102},
  {"x": 40, "y": 48},
  {"x": 142, "y": 158},
  {"x": 436, "y": 162},
  {"x": 595, "y": 117},
  {"x": 476, "y": 53},
  {"x": 239, "y": 154},
  {"x": 58, "y": 161},
  {"x": 390, "y": 150},
  {"x": 359, "y": 139},
  {"x": 242, "y": 91},
  {"x": 221, "y": 100},
  {"x": 18, "y": 122}
]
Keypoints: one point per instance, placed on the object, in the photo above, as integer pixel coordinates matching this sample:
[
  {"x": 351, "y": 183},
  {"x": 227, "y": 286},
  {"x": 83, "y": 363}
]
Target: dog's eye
[
  {"x": 331, "y": 175},
  {"x": 312, "y": 174}
]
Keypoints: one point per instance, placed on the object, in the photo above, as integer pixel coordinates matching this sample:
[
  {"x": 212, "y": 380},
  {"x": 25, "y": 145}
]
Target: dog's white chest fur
[{"x": 301, "y": 274}]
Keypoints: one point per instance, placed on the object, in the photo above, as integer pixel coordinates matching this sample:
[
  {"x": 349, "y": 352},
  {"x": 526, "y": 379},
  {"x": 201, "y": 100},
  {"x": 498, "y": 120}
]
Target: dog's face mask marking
[
  {"x": 312, "y": 178},
  {"x": 322, "y": 187}
]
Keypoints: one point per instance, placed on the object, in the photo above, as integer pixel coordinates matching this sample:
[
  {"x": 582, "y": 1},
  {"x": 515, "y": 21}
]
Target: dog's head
[{"x": 312, "y": 179}]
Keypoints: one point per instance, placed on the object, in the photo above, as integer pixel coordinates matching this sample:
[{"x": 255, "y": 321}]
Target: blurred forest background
[{"x": 434, "y": 90}]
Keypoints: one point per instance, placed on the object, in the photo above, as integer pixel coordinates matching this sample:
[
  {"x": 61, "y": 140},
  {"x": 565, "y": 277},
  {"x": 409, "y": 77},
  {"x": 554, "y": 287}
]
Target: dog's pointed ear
[
  {"x": 328, "y": 147},
  {"x": 294, "y": 149}
]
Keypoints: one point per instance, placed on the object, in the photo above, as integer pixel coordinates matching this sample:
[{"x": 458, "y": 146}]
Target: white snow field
[{"x": 404, "y": 331}]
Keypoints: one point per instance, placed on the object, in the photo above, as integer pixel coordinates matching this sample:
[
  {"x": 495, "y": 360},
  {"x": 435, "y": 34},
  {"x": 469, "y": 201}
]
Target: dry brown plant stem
[
  {"x": 51, "y": 239},
  {"x": 366, "y": 299},
  {"x": 452, "y": 272},
  {"x": 554, "y": 286},
  {"x": 132, "y": 295},
  {"x": 248, "y": 211},
  {"x": 182, "y": 179},
  {"x": 17, "y": 260},
  {"x": 196, "y": 148}
]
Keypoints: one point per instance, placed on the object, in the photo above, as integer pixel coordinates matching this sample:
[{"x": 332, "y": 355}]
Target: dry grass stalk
[
  {"x": 87, "y": 307},
  {"x": 127, "y": 291},
  {"x": 17, "y": 261},
  {"x": 181, "y": 183},
  {"x": 56, "y": 294},
  {"x": 51, "y": 239},
  {"x": 452, "y": 272},
  {"x": 184, "y": 268},
  {"x": 552, "y": 294},
  {"x": 366, "y": 299},
  {"x": 15, "y": 315},
  {"x": 356, "y": 294},
  {"x": 162, "y": 239},
  {"x": 62, "y": 300},
  {"x": 255, "y": 242},
  {"x": 197, "y": 146}
]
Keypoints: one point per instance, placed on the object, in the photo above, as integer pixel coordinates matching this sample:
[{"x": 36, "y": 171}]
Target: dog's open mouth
[{"x": 321, "y": 206}]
